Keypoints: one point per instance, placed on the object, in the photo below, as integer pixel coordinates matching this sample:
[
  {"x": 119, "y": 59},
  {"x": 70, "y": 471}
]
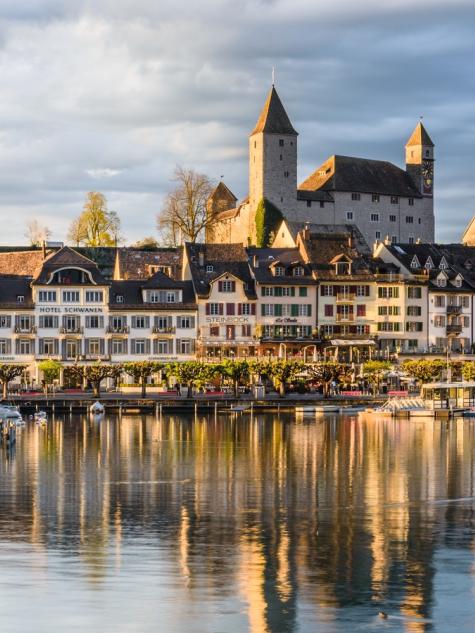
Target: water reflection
[{"x": 265, "y": 525}]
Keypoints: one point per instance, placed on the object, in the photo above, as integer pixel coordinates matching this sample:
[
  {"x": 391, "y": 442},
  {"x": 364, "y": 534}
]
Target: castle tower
[
  {"x": 273, "y": 157},
  {"x": 420, "y": 160}
]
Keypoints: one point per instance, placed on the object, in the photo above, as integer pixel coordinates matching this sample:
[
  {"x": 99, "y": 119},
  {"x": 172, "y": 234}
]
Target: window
[
  {"x": 94, "y": 296},
  {"x": 356, "y": 196},
  {"x": 246, "y": 330},
  {"x": 362, "y": 291},
  {"x": 93, "y": 322},
  {"x": 414, "y": 292},
  {"x": 47, "y": 296},
  {"x": 281, "y": 142},
  {"x": 375, "y": 197},
  {"x": 185, "y": 322},
  {"x": 267, "y": 309},
  {"x": 184, "y": 346},
  {"x": 209, "y": 268},
  {"x": 466, "y": 321},
  {"x": 343, "y": 268},
  {"x": 349, "y": 215},
  {"x": 118, "y": 323},
  {"x": 465, "y": 302},
  {"x": 439, "y": 320},
  {"x": 20, "y": 298},
  {"x": 24, "y": 346},
  {"x": 394, "y": 200},
  {"x": 414, "y": 326},
  {"x": 304, "y": 310},
  {"x": 49, "y": 321},
  {"x": 279, "y": 271},
  {"x": 409, "y": 219},
  {"x": 441, "y": 282},
  {"x": 119, "y": 298},
  {"x": 299, "y": 271},
  {"x": 393, "y": 218},
  {"x": 140, "y": 322},
  {"x": 162, "y": 347},
  {"x": 328, "y": 310},
  {"x": 5, "y": 320},
  {"x": 458, "y": 282},
  {"x": 215, "y": 309},
  {"x": 302, "y": 292},
  {"x": 118, "y": 346},
  {"x": 309, "y": 203},
  {"x": 374, "y": 217},
  {"x": 410, "y": 202},
  {"x": 246, "y": 308},
  {"x": 326, "y": 291},
  {"x": 227, "y": 285},
  {"x": 439, "y": 301},
  {"x": 378, "y": 235},
  {"x": 361, "y": 310},
  {"x": 286, "y": 174},
  {"x": 171, "y": 297},
  {"x": 322, "y": 204},
  {"x": 410, "y": 240},
  {"x": 214, "y": 330},
  {"x": 388, "y": 292},
  {"x": 389, "y": 310},
  {"x": 24, "y": 323},
  {"x": 389, "y": 326},
  {"x": 139, "y": 346},
  {"x": 267, "y": 291},
  {"x": 94, "y": 346},
  {"x": 70, "y": 296},
  {"x": 5, "y": 346},
  {"x": 414, "y": 311},
  {"x": 393, "y": 239}
]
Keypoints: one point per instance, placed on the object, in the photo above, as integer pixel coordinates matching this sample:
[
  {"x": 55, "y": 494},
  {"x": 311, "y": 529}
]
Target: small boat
[
  {"x": 11, "y": 412},
  {"x": 352, "y": 409},
  {"x": 97, "y": 408},
  {"x": 318, "y": 408}
]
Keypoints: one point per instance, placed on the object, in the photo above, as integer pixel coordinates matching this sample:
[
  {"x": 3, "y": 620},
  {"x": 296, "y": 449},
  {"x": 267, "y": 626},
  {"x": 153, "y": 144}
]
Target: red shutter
[
  {"x": 221, "y": 308},
  {"x": 207, "y": 308},
  {"x": 361, "y": 310},
  {"x": 239, "y": 305},
  {"x": 220, "y": 286},
  {"x": 253, "y": 308},
  {"x": 230, "y": 309},
  {"x": 233, "y": 286},
  {"x": 328, "y": 310}
]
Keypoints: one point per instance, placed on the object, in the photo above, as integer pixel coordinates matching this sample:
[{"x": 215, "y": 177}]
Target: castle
[{"x": 384, "y": 201}]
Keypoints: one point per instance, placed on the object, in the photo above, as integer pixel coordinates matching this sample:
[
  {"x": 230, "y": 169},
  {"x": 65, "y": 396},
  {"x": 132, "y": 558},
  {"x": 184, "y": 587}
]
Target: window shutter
[
  {"x": 221, "y": 309},
  {"x": 17, "y": 346},
  {"x": 207, "y": 308},
  {"x": 32, "y": 320},
  {"x": 41, "y": 345},
  {"x": 351, "y": 309},
  {"x": 147, "y": 321},
  {"x": 124, "y": 321},
  {"x": 328, "y": 310},
  {"x": 192, "y": 322},
  {"x": 8, "y": 346},
  {"x": 88, "y": 321},
  {"x": 63, "y": 348},
  {"x": 294, "y": 310},
  {"x": 220, "y": 286},
  {"x": 41, "y": 322},
  {"x": 86, "y": 346},
  {"x": 253, "y": 309},
  {"x": 366, "y": 291},
  {"x": 178, "y": 345},
  {"x": 132, "y": 346},
  {"x": 233, "y": 286},
  {"x": 64, "y": 320},
  {"x": 102, "y": 346},
  {"x": 263, "y": 313},
  {"x": 278, "y": 309},
  {"x": 134, "y": 321},
  {"x": 169, "y": 321},
  {"x": 361, "y": 310},
  {"x": 230, "y": 309},
  {"x": 292, "y": 291},
  {"x": 109, "y": 347},
  {"x": 239, "y": 305},
  {"x": 17, "y": 320},
  {"x": 147, "y": 346},
  {"x": 56, "y": 346},
  {"x": 155, "y": 346},
  {"x": 309, "y": 309},
  {"x": 277, "y": 291}
]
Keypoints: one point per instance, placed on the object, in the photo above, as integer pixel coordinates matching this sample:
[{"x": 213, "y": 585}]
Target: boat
[
  {"x": 11, "y": 413},
  {"x": 97, "y": 408},
  {"x": 449, "y": 398},
  {"x": 41, "y": 418}
]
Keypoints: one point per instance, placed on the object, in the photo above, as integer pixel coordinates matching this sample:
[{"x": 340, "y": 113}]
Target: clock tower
[{"x": 420, "y": 160}]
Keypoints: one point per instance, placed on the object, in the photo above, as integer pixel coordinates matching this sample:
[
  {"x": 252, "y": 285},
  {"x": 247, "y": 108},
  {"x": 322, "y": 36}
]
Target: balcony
[
  {"x": 163, "y": 330},
  {"x": 25, "y": 330},
  {"x": 71, "y": 330},
  {"x": 454, "y": 310},
  {"x": 345, "y": 318},
  {"x": 454, "y": 329},
  {"x": 345, "y": 297},
  {"x": 121, "y": 329},
  {"x": 95, "y": 357}
]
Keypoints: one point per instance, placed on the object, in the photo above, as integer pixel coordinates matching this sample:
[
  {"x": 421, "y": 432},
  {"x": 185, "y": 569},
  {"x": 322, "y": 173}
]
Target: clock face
[{"x": 427, "y": 176}]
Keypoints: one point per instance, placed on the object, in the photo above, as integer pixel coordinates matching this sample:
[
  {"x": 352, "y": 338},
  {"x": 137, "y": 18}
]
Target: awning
[{"x": 338, "y": 342}]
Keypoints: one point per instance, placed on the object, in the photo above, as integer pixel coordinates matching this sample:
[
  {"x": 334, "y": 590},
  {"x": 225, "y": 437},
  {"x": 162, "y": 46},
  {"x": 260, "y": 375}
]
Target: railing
[
  {"x": 345, "y": 296},
  {"x": 163, "y": 330},
  {"x": 454, "y": 329},
  {"x": 123, "y": 329},
  {"x": 454, "y": 309},
  {"x": 95, "y": 357},
  {"x": 71, "y": 330},
  {"x": 25, "y": 330},
  {"x": 347, "y": 318}
]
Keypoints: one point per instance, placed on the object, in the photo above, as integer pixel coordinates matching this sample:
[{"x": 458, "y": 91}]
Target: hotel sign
[{"x": 70, "y": 310}]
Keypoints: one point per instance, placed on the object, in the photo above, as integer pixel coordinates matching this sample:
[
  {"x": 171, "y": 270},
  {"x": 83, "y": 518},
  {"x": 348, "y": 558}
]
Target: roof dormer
[
  {"x": 441, "y": 279},
  {"x": 429, "y": 263},
  {"x": 415, "y": 262},
  {"x": 443, "y": 264}
]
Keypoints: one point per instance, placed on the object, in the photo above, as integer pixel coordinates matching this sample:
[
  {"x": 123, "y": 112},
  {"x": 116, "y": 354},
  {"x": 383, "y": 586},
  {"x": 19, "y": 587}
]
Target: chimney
[
  {"x": 255, "y": 261},
  {"x": 306, "y": 231},
  {"x": 387, "y": 241},
  {"x": 350, "y": 240},
  {"x": 43, "y": 246},
  {"x": 201, "y": 259}
]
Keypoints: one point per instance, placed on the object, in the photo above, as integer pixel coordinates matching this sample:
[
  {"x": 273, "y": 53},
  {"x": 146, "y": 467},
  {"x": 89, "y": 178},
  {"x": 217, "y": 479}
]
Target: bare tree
[
  {"x": 37, "y": 233},
  {"x": 97, "y": 225},
  {"x": 184, "y": 216}
]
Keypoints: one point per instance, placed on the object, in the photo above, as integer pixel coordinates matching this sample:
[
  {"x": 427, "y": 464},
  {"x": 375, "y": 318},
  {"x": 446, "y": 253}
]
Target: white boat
[
  {"x": 318, "y": 408},
  {"x": 97, "y": 408},
  {"x": 11, "y": 412}
]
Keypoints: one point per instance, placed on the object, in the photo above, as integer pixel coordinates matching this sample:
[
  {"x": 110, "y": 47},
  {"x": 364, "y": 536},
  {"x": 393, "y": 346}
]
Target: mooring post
[{"x": 196, "y": 409}]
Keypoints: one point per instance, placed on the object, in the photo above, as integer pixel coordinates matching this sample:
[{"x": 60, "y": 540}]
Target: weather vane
[{"x": 273, "y": 75}]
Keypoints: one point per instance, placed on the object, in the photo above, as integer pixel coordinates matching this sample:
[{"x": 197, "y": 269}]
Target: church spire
[
  {"x": 420, "y": 136},
  {"x": 273, "y": 118}
]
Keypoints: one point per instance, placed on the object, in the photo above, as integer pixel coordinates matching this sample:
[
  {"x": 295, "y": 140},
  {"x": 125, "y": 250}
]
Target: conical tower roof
[
  {"x": 273, "y": 118},
  {"x": 420, "y": 137}
]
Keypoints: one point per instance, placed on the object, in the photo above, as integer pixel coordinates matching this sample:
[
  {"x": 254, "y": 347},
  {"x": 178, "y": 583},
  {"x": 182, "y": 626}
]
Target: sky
[{"x": 112, "y": 95}]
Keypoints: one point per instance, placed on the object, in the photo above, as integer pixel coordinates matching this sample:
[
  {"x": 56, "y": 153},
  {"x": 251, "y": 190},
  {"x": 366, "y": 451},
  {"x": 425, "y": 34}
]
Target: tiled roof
[
  {"x": 11, "y": 288},
  {"x": 340, "y": 231},
  {"x": 21, "y": 263},
  {"x": 273, "y": 118},
  {"x": 362, "y": 175},
  {"x": 66, "y": 257},
  {"x": 318, "y": 196},
  {"x": 131, "y": 291},
  {"x": 264, "y": 260},
  {"x": 224, "y": 258},
  {"x": 420, "y": 137},
  {"x": 135, "y": 263},
  {"x": 222, "y": 191}
]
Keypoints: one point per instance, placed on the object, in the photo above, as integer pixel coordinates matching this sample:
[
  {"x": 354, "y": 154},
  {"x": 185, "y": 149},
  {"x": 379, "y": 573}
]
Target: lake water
[{"x": 227, "y": 525}]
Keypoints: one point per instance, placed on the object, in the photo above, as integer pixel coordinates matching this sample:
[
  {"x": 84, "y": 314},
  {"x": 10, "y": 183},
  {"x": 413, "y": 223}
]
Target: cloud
[{"x": 113, "y": 94}]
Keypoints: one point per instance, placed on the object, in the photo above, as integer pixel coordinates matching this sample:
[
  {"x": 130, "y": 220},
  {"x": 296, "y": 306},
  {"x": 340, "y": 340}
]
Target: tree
[
  {"x": 51, "y": 370},
  {"x": 148, "y": 243},
  {"x": 268, "y": 217},
  {"x": 97, "y": 225},
  {"x": 7, "y": 374},
  {"x": 141, "y": 371},
  {"x": 374, "y": 371},
  {"x": 190, "y": 373},
  {"x": 238, "y": 372},
  {"x": 284, "y": 372},
  {"x": 326, "y": 373},
  {"x": 468, "y": 371},
  {"x": 95, "y": 374},
  {"x": 184, "y": 216},
  {"x": 424, "y": 370},
  {"x": 37, "y": 233}
]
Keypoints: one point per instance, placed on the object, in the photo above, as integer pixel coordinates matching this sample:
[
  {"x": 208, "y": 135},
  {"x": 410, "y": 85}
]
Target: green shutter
[
  {"x": 303, "y": 291},
  {"x": 277, "y": 291},
  {"x": 292, "y": 292},
  {"x": 294, "y": 310},
  {"x": 278, "y": 309},
  {"x": 262, "y": 310},
  {"x": 309, "y": 308}
]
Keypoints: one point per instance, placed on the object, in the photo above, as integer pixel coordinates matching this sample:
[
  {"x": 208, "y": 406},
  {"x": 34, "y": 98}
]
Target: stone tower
[
  {"x": 420, "y": 160},
  {"x": 273, "y": 157}
]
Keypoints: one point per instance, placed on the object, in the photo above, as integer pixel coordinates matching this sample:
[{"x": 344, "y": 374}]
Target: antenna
[{"x": 273, "y": 75}]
